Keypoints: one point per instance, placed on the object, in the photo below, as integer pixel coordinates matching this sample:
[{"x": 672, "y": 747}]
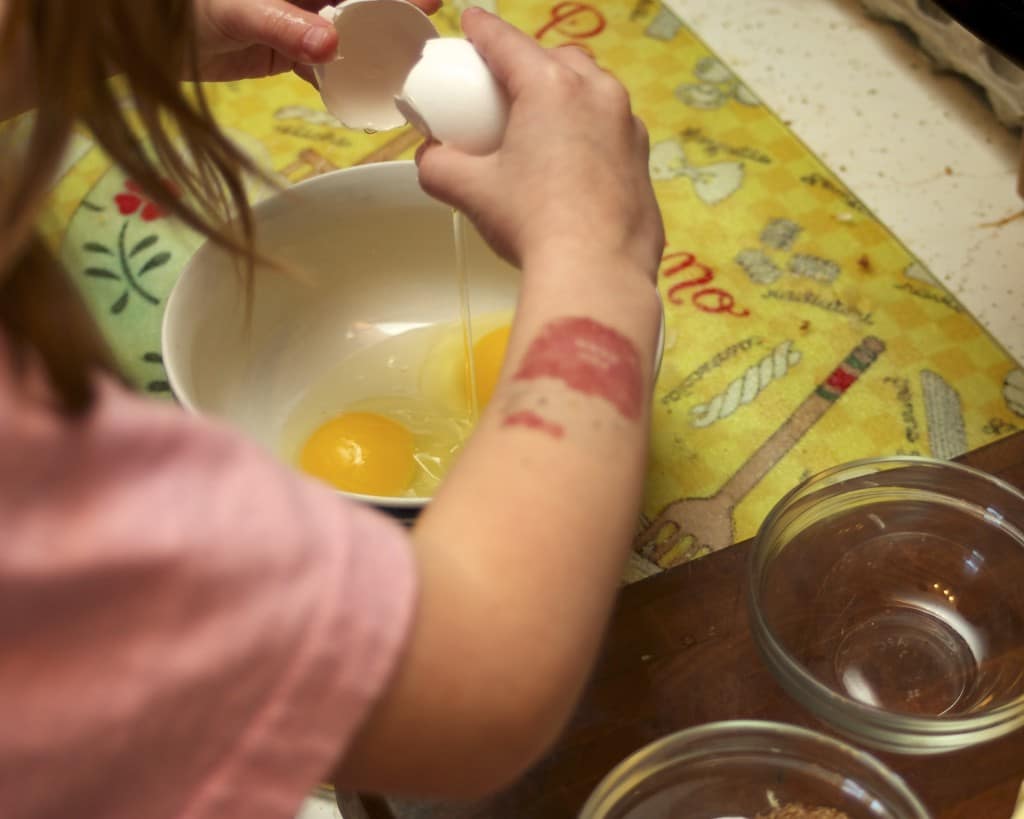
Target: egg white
[{"x": 415, "y": 378}]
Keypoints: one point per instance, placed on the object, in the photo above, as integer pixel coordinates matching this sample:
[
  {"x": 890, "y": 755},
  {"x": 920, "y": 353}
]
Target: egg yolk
[
  {"x": 488, "y": 356},
  {"x": 361, "y": 452}
]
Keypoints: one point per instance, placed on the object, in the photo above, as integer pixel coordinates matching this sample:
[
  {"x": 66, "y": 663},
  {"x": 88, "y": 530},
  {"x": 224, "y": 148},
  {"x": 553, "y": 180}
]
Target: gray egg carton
[{"x": 954, "y": 47}]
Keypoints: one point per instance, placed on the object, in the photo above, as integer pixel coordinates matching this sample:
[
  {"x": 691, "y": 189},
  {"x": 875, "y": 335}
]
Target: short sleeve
[{"x": 187, "y": 627}]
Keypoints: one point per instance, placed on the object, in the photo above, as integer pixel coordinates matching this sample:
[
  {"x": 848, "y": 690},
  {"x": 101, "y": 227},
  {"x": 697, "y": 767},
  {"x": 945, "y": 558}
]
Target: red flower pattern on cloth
[{"x": 133, "y": 198}]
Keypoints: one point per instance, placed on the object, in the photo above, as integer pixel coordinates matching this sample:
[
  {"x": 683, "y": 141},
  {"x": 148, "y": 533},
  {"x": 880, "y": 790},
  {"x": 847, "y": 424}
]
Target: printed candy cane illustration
[
  {"x": 947, "y": 433},
  {"x": 311, "y": 116},
  {"x": 307, "y": 164},
  {"x": 310, "y": 162},
  {"x": 404, "y": 139},
  {"x": 1013, "y": 391},
  {"x": 748, "y": 386},
  {"x": 706, "y": 523}
]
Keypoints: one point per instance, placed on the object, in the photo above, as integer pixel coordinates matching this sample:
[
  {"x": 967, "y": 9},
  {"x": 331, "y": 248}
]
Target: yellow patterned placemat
[{"x": 799, "y": 331}]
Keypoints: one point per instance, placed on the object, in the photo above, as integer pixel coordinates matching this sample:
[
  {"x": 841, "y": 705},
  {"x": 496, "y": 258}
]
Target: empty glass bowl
[
  {"x": 887, "y": 596},
  {"x": 747, "y": 769}
]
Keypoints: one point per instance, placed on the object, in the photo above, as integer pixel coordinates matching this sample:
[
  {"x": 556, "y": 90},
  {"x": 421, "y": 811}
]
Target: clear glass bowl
[
  {"x": 887, "y": 596},
  {"x": 742, "y": 769}
]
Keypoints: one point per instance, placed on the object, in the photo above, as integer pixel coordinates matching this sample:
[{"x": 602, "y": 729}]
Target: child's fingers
[
  {"x": 429, "y": 6},
  {"x": 643, "y": 138},
  {"x": 508, "y": 52},
  {"x": 447, "y": 174},
  {"x": 306, "y": 72},
  {"x": 576, "y": 58},
  {"x": 299, "y": 35}
]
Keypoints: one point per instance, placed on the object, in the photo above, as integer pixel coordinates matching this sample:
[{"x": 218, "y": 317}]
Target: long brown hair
[{"x": 66, "y": 51}]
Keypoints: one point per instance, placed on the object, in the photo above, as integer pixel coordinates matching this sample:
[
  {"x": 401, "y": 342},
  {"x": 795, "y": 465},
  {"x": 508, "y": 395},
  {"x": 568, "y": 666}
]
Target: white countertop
[{"x": 922, "y": 149}]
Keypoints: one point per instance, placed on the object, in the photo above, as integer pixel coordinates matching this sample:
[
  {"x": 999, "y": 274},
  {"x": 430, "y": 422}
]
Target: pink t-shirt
[{"x": 187, "y": 629}]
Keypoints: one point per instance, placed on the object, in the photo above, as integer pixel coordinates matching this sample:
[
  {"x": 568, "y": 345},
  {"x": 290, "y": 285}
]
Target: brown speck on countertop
[
  {"x": 949, "y": 171},
  {"x": 1013, "y": 217},
  {"x": 794, "y": 810}
]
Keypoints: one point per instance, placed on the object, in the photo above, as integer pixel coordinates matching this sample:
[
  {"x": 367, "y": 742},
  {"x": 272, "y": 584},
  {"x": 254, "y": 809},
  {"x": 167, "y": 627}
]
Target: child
[{"x": 190, "y": 629}]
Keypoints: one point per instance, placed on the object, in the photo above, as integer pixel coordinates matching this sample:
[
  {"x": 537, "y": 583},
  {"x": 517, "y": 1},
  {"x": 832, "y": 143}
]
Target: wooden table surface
[{"x": 678, "y": 653}]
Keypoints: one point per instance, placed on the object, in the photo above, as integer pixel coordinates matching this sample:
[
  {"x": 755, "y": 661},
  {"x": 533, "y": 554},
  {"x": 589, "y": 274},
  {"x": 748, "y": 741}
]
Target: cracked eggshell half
[
  {"x": 379, "y": 41},
  {"x": 452, "y": 96}
]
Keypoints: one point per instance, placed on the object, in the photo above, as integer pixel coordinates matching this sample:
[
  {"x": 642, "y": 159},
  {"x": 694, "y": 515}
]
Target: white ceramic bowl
[{"x": 377, "y": 258}]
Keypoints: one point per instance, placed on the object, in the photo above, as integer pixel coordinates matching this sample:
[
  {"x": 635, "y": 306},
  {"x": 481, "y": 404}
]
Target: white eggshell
[
  {"x": 379, "y": 41},
  {"x": 451, "y": 96}
]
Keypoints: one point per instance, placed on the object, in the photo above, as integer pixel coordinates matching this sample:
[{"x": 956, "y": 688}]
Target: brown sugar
[{"x": 795, "y": 810}]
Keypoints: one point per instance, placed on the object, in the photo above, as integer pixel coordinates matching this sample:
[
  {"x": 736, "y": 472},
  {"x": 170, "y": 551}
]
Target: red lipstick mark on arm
[
  {"x": 590, "y": 358},
  {"x": 532, "y": 420}
]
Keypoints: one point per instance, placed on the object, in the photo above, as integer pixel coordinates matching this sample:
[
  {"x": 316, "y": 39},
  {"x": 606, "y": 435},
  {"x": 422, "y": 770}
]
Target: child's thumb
[
  {"x": 451, "y": 176},
  {"x": 298, "y": 35}
]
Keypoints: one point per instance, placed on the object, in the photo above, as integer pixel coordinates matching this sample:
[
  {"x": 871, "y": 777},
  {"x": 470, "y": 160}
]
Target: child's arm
[{"x": 521, "y": 552}]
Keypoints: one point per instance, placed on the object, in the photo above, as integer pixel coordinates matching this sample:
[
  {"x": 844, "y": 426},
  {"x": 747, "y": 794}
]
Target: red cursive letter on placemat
[{"x": 576, "y": 20}]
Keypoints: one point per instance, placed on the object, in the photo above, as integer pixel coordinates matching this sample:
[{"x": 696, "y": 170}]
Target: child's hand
[
  {"x": 570, "y": 180},
  {"x": 239, "y": 39},
  {"x": 534, "y": 521}
]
